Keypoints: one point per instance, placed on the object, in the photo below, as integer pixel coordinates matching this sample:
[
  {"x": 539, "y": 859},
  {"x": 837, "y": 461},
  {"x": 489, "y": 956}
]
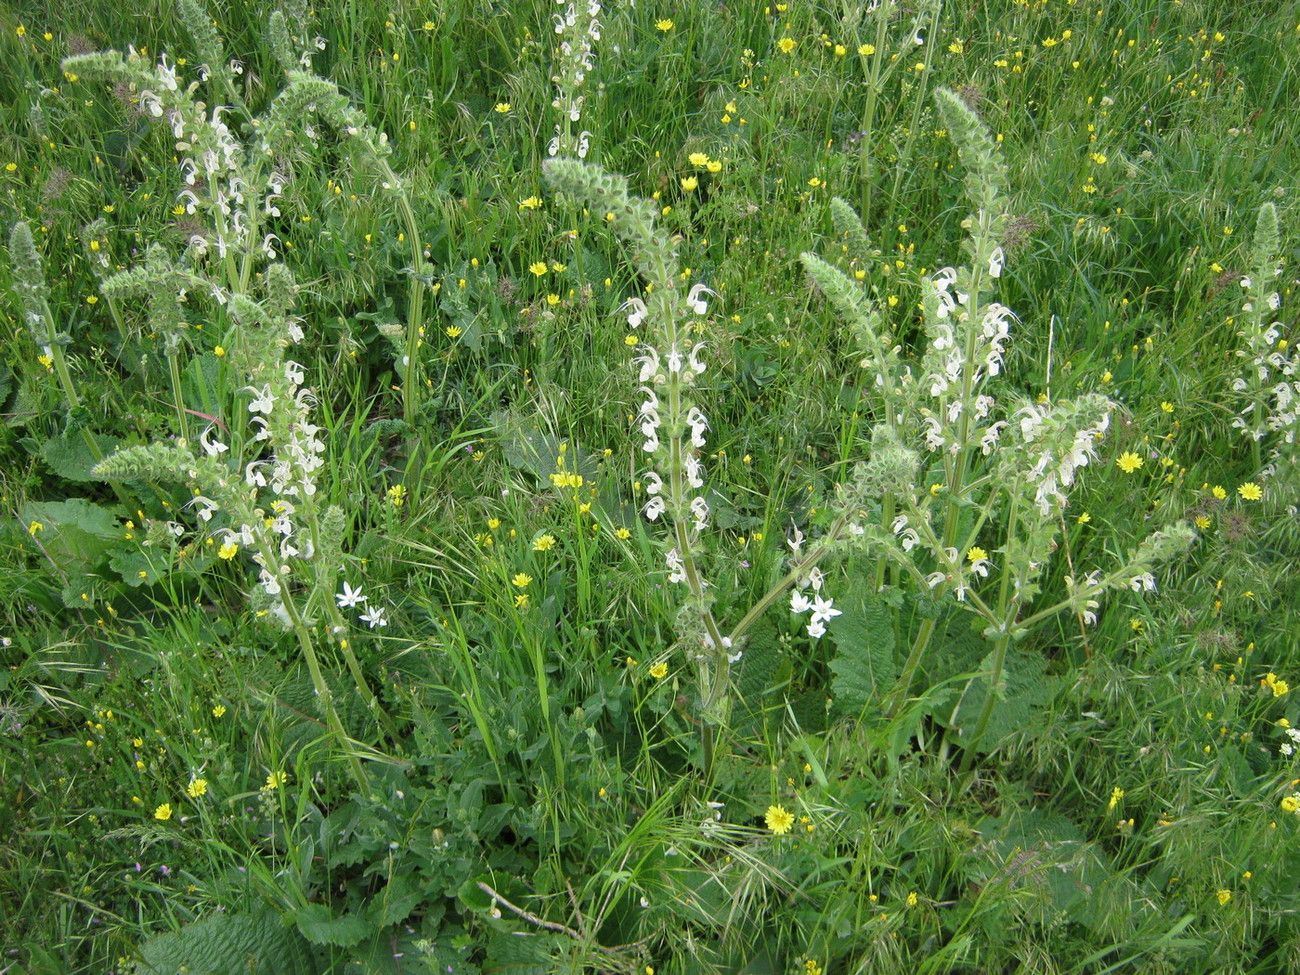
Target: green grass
[{"x": 529, "y": 740}]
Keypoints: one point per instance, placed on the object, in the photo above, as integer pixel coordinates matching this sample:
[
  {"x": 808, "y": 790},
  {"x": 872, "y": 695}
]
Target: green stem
[{"x": 178, "y": 400}]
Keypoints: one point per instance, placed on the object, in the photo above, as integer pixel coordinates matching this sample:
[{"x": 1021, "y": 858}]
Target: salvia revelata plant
[
  {"x": 578, "y": 27},
  {"x": 1269, "y": 389},
  {"x": 233, "y": 183},
  {"x": 995, "y": 468}
]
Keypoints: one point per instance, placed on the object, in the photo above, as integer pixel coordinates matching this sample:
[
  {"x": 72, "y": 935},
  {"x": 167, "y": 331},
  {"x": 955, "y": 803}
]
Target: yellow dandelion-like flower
[
  {"x": 502, "y": 108},
  {"x": 787, "y": 44},
  {"x": 698, "y": 159},
  {"x": 197, "y": 789},
  {"x": 664, "y": 25},
  {"x": 1250, "y": 491},
  {"x": 543, "y": 543},
  {"x": 163, "y": 812},
  {"x": 689, "y": 183},
  {"x": 218, "y": 710},
  {"x": 659, "y": 671},
  {"x": 1224, "y": 896},
  {"x": 1129, "y": 462},
  {"x": 1116, "y": 794},
  {"x": 521, "y": 580},
  {"x": 538, "y": 268},
  {"x": 778, "y": 820},
  {"x": 530, "y": 203}
]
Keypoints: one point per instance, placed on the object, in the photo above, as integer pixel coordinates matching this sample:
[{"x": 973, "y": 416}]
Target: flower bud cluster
[
  {"x": 578, "y": 26},
  {"x": 29, "y": 285}
]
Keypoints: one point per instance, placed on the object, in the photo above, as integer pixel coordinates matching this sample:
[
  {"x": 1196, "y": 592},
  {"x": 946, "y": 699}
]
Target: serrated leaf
[
  {"x": 321, "y": 927},
  {"x": 73, "y": 513},
  {"x": 396, "y": 901},
  {"x": 227, "y": 944},
  {"x": 863, "y": 665},
  {"x": 69, "y": 456},
  {"x": 755, "y": 671},
  {"x": 76, "y": 534},
  {"x": 1045, "y": 852},
  {"x": 1026, "y": 688},
  {"x": 135, "y": 568}
]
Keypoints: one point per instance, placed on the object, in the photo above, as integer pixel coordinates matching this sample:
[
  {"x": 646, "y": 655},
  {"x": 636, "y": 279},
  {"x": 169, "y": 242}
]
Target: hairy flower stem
[
  {"x": 956, "y": 469},
  {"x": 323, "y": 692},
  {"x": 1007, "y": 609}
]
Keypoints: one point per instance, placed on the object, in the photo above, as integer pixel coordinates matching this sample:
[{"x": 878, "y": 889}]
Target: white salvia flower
[
  {"x": 696, "y": 364},
  {"x": 166, "y": 74},
  {"x": 731, "y": 657},
  {"x": 236, "y": 67},
  {"x": 638, "y": 313},
  {"x": 698, "y": 424},
  {"x": 700, "y": 512},
  {"x": 211, "y": 446},
  {"x": 694, "y": 470},
  {"x": 815, "y": 579},
  {"x": 990, "y": 438},
  {"x": 696, "y": 303},
  {"x": 375, "y": 617},
  {"x": 294, "y": 373},
  {"x": 654, "y": 508},
  {"x": 205, "y": 508},
  {"x": 677, "y": 568},
  {"x": 995, "y": 263},
  {"x": 933, "y": 434},
  {"x": 654, "y": 483},
  {"x": 649, "y": 363},
  {"x": 935, "y": 579},
  {"x": 584, "y": 143},
  {"x": 320, "y": 43},
  {"x": 674, "y": 361},
  {"x": 150, "y": 101},
  {"x": 796, "y": 541},
  {"x": 1143, "y": 581},
  {"x": 350, "y": 597},
  {"x": 263, "y": 401}
]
